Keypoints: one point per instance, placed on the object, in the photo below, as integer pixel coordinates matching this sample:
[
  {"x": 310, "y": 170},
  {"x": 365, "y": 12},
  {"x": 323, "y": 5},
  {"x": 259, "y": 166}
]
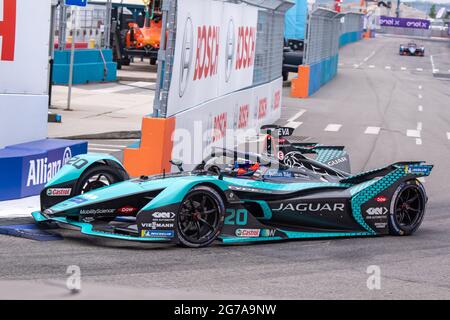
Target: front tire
[
  {"x": 407, "y": 208},
  {"x": 98, "y": 176},
  {"x": 200, "y": 217}
]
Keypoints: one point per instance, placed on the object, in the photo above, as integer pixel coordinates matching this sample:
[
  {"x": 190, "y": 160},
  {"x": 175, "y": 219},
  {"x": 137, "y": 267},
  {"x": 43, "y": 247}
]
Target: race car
[
  {"x": 238, "y": 197},
  {"x": 411, "y": 50}
]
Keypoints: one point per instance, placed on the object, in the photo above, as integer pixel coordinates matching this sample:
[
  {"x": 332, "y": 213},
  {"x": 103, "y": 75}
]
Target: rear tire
[
  {"x": 407, "y": 208},
  {"x": 200, "y": 217}
]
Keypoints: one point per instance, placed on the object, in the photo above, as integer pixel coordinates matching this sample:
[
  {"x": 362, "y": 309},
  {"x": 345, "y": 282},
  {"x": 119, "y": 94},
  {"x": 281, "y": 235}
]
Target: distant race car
[
  {"x": 306, "y": 191},
  {"x": 412, "y": 50}
]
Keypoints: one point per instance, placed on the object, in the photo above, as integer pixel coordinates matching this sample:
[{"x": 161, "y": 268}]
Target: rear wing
[{"x": 416, "y": 168}]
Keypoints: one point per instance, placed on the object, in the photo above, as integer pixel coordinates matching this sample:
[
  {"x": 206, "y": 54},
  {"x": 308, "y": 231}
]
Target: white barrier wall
[
  {"x": 24, "y": 47},
  {"x": 214, "y": 52}
]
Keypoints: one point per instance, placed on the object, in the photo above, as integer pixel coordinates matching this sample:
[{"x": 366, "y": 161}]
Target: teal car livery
[{"x": 305, "y": 191}]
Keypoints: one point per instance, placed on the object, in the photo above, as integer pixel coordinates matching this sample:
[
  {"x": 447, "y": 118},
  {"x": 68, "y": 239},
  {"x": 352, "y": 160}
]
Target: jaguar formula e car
[
  {"x": 411, "y": 50},
  {"x": 306, "y": 191}
]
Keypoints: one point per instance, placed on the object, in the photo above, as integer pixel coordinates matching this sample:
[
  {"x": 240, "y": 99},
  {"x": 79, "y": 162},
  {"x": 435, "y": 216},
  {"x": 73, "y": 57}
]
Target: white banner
[
  {"x": 214, "y": 52},
  {"x": 220, "y": 121}
]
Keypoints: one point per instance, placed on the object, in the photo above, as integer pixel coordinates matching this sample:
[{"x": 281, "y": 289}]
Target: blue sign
[{"x": 79, "y": 3}]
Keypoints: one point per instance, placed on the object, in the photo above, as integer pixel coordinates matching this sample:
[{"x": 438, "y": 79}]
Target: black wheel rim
[
  {"x": 409, "y": 207},
  {"x": 198, "y": 217},
  {"x": 97, "y": 181}
]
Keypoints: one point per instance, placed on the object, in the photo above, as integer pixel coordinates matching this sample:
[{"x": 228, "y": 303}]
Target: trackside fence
[
  {"x": 351, "y": 28},
  {"x": 219, "y": 77},
  {"x": 321, "y": 54}
]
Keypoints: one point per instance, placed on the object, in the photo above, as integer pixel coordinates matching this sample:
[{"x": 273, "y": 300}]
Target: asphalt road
[{"x": 364, "y": 94}]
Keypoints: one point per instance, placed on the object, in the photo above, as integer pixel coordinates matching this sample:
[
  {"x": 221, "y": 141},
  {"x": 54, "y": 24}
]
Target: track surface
[{"x": 364, "y": 94}]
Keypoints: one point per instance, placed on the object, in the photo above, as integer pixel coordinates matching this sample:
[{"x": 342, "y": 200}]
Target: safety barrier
[
  {"x": 351, "y": 28},
  {"x": 219, "y": 75},
  {"x": 321, "y": 56},
  {"x": 88, "y": 66}
]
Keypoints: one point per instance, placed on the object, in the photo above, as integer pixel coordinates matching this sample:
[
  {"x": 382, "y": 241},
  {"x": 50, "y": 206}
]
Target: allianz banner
[{"x": 214, "y": 52}]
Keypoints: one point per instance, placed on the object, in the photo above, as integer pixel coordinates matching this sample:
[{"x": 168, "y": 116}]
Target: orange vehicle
[{"x": 145, "y": 41}]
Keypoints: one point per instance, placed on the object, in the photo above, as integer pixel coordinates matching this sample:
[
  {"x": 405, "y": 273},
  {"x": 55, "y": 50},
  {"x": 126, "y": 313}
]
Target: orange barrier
[
  {"x": 300, "y": 85},
  {"x": 155, "y": 150},
  {"x": 366, "y": 34}
]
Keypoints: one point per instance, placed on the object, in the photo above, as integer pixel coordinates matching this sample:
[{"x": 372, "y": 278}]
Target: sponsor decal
[
  {"x": 127, "y": 210},
  {"x": 230, "y": 45},
  {"x": 336, "y": 161},
  {"x": 78, "y": 200},
  {"x": 59, "y": 192},
  {"x": 163, "y": 215},
  {"x": 248, "y": 233},
  {"x": 158, "y": 233},
  {"x": 277, "y": 100},
  {"x": 378, "y": 211},
  {"x": 186, "y": 55},
  {"x": 404, "y": 22},
  {"x": 418, "y": 169},
  {"x": 246, "y": 46},
  {"x": 268, "y": 232},
  {"x": 280, "y": 155},
  {"x": 96, "y": 211},
  {"x": 207, "y": 56},
  {"x": 8, "y": 29},
  {"x": 274, "y": 173},
  {"x": 220, "y": 126},
  {"x": 311, "y": 207},
  {"x": 244, "y": 112},
  {"x": 381, "y": 199},
  {"x": 262, "y": 108},
  {"x": 245, "y": 189},
  {"x": 380, "y": 225},
  {"x": 89, "y": 196},
  {"x": 40, "y": 171},
  {"x": 157, "y": 225}
]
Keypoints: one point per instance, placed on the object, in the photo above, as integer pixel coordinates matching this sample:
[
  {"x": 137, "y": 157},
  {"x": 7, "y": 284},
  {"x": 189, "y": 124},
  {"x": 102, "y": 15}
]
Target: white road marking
[
  {"x": 418, "y": 141},
  {"x": 432, "y": 63},
  {"x": 107, "y": 145},
  {"x": 292, "y": 121},
  {"x": 420, "y": 96},
  {"x": 420, "y": 87},
  {"x": 332, "y": 127},
  {"x": 419, "y": 126},
  {"x": 371, "y": 66},
  {"x": 372, "y": 130},
  {"x": 403, "y": 68},
  {"x": 388, "y": 67},
  {"x": 413, "y": 133},
  {"x": 420, "y": 108},
  {"x": 419, "y": 69},
  {"x": 448, "y": 135},
  {"x": 355, "y": 65},
  {"x": 104, "y": 149},
  {"x": 435, "y": 70}
]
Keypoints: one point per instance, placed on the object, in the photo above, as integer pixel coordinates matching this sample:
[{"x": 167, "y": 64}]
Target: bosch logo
[
  {"x": 244, "y": 112},
  {"x": 229, "y": 55},
  {"x": 207, "y": 53},
  {"x": 8, "y": 29},
  {"x": 186, "y": 55},
  {"x": 246, "y": 47}
]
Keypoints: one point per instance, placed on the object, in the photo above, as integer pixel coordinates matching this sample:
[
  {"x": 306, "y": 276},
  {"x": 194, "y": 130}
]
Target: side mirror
[{"x": 178, "y": 164}]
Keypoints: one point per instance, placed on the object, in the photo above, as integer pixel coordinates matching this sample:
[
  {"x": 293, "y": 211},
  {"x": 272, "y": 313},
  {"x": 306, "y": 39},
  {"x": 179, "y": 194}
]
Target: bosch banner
[
  {"x": 404, "y": 22},
  {"x": 214, "y": 52},
  {"x": 218, "y": 123}
]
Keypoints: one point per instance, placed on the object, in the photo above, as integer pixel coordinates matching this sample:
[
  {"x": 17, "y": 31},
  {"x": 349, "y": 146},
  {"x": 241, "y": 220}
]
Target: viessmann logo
[{"x": 7, "y": 29}]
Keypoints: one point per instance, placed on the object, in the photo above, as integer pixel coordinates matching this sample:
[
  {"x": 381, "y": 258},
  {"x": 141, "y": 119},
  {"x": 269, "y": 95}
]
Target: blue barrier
[
  {"x": 322, "y": 72},
  {"x": 349, "y": 37},
  {"x": 88, "y": 66},
  {"x": 25, "y": 168}
]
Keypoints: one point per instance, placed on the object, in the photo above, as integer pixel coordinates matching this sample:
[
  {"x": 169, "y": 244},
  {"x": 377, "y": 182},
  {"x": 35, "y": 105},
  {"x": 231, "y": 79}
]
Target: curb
[
  {"x": 136, "y": 79},
  {"x": 106, "y": 136}
]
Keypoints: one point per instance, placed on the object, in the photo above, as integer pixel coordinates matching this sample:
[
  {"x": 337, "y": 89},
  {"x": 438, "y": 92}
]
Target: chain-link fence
[
  {"x": 352, "y": 25},
  {"x": 91, "y": 25},
  {"x": 322, "y": 36}
]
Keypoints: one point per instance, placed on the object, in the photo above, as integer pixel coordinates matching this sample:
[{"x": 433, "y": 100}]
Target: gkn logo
[
  {"x": 377, "y": 211},
  {"x": 7, "y": 29}
]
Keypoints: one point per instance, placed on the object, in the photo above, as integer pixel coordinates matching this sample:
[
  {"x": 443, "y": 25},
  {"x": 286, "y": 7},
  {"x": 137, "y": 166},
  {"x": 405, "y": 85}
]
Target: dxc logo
[{"x": 7, "y": 29}]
